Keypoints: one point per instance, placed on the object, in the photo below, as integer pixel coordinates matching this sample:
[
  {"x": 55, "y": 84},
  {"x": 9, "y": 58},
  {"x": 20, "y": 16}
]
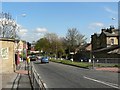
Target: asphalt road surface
[{"x": 57, "y": 75}]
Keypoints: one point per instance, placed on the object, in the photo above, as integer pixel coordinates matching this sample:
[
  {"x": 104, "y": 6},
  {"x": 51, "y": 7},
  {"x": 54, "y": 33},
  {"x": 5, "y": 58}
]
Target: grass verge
[
  {"x": 77, "y": 64},
  {"x": 83, "y": 64}
]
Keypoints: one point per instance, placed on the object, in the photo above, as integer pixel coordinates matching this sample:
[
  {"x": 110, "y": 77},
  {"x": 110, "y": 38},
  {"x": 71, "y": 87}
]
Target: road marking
[
  {"x": 45, "y": 85},
  {"x": 105, "y": 83}
]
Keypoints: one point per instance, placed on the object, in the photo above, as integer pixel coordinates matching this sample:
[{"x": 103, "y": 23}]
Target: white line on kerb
[
  {"x": 106, "y": 83},
  {"x": 45, "y": 85}
]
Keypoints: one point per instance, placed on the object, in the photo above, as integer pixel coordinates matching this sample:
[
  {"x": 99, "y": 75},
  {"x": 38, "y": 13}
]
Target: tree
[
  {"x": 52, "y": 38},
  {"x": 51, "y": 44},
  {"x": 74, "y": 39},
  {"x": 54, "y": 43},
  {"x": 60, "y": 48},
  {"x": 8, "y": 26},
  {"x": 42, "y": 44}
]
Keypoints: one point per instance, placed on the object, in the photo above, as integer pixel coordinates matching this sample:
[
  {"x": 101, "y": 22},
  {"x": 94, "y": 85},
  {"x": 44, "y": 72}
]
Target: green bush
[{"x": 117, "y": 65}]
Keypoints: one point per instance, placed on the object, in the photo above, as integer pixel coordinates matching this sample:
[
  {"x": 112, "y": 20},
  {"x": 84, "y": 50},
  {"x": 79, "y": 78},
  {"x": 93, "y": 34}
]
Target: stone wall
[{"x": 7, "y": 55}]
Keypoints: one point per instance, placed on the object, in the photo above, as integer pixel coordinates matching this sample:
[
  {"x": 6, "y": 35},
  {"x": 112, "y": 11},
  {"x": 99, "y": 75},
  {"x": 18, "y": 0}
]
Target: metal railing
[
  {"x": 36, "y": 80},
  {"x": 106, "y": 62}
]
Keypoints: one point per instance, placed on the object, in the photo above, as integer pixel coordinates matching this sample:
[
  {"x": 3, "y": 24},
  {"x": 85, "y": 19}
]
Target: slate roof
[
  {"x": 111, "y": 49},
  {"x": 113, "y": 32}
]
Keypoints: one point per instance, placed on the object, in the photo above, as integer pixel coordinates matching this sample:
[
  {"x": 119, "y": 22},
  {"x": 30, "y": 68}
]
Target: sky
[{"x": 37, "y": 18}]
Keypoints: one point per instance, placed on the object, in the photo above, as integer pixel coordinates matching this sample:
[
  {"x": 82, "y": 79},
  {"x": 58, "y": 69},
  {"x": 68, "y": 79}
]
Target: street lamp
[
  {"x": 24, "y": 51},
  {"x": 112, "y": 20}
]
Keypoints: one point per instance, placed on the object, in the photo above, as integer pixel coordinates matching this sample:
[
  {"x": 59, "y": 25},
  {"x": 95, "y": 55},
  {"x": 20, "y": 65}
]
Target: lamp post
[
  {"x": 24, "y": 46},
  {"x": 113, "y": 20}
]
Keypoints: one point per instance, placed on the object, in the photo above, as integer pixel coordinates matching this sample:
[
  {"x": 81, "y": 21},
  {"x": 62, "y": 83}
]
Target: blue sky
[{"x": 58, "y": 17}]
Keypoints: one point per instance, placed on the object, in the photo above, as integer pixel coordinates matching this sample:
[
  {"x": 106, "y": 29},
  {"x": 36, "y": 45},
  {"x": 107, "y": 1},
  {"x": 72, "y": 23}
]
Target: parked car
[
  {"x": 44, "y": 59},
  {"x": 38, "y": 57},
  {"x": 84, "y": 59},
  {"x": 33, "y": 58}
]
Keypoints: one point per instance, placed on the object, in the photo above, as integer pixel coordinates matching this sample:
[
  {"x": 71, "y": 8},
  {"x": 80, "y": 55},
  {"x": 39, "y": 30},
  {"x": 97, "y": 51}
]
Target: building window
[{"x": 112, "y": 41}]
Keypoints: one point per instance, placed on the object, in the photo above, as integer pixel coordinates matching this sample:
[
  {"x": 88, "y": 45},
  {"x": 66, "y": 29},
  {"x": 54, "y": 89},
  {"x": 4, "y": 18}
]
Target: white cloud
[
  {"x": 23, "y": 31},
  {"x": 41, "y": 30},
  {"x": 96, "y": 25},
  {"x": 24, "y": 14},
  {"x": 31, "y": 35},
  {"x": 110, "y": 10}
]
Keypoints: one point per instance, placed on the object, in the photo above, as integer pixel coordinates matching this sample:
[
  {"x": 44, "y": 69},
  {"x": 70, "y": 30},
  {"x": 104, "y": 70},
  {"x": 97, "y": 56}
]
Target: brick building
[{"x": 106, "y": 44}]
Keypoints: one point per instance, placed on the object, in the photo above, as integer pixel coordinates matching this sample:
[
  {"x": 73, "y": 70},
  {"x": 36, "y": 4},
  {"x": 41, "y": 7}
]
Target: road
[{"x": 57, "y": 75}]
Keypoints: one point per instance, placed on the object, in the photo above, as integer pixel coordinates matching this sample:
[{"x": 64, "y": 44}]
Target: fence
[
  {"x": 36, "y": 81},
  {"x": 106, "y": 62}
]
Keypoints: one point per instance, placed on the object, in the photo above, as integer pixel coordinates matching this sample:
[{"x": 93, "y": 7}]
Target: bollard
[
  {"x": 28, "y": 69},
  {"x": 93, "y": 63},
  {"x": 31, "y": 71},
  {"x": 25, "y": 65}
]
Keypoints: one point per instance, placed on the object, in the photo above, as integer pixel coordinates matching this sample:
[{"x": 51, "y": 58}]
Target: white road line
[
  {"x": 105, "y": 83},
  {"x": 45, "y": 85}
]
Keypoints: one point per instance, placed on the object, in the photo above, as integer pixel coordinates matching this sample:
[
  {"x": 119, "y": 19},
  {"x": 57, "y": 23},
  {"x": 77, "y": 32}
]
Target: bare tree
[
  {"x": 53, "y": 42},
  {"x": 52, "y": 37},
  {"x": 8, "y": 26},
  {"x": 74, "y": 39}
]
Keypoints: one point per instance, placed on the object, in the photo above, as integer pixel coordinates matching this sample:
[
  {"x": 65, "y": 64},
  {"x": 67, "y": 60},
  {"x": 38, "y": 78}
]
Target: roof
[
  {"x": 115, "y": 51},
  {"x": 86, "y": 47},
  {"x": 109, "y": 49},
  {"x": 6, "y": 39},
  {"x": 110, "y": 32},
  {"x": 96, "y": 34}
]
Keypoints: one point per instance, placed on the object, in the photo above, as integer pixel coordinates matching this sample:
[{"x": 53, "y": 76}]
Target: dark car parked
[
  {"x": 33, "y": 58},
  {"x": 84, "y": 59}
]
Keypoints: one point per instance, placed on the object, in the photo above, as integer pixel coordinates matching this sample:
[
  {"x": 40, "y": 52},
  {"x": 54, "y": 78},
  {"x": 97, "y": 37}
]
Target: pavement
[
  {"x": 111, "y": 69},
  {"x": 18, "y": 79}
]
